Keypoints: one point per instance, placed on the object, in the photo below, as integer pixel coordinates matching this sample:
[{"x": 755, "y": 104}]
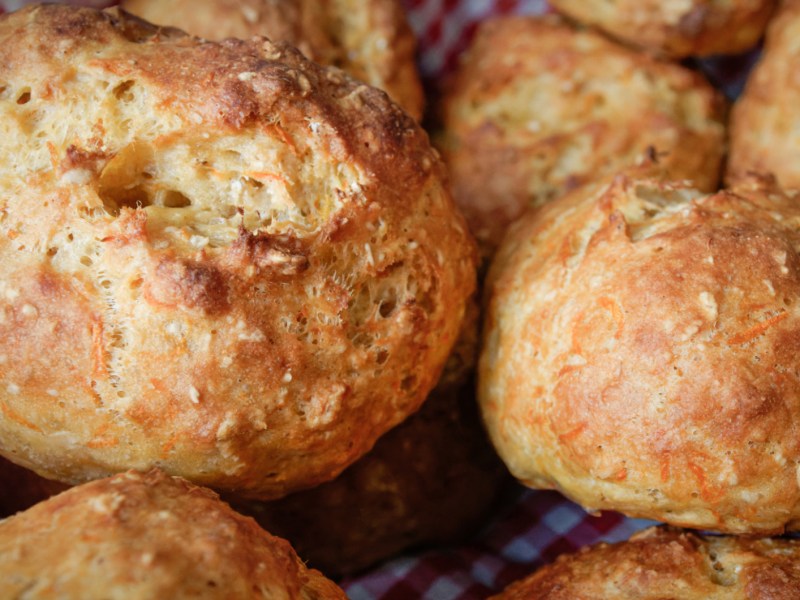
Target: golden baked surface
[
  {"x": 766, "y": 118},
  {"x": 677, "y": 28},
  {"x": 642, "y": 353},
  {"x": 538, "y": 108},
  {"x": 430, "y": 480},
  {"x": 148, "y": 536},
  {"x": 660, "y": 563},
  {"x": 370, "y": 39},
  {"x": 217, "y": 258}
]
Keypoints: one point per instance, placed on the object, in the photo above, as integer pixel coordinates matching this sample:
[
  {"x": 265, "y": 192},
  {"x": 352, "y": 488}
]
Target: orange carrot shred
[{"x": 756, "y": 330}]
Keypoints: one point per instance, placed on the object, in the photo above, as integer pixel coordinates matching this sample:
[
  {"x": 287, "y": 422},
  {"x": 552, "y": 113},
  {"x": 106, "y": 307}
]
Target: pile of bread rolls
[{"x": 238, "y": 265}]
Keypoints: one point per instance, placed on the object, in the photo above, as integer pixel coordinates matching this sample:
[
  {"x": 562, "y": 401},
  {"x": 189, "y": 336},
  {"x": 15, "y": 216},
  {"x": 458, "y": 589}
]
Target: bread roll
[
  {"x": 677, "y": 28},
  {"x": 216, "y": 258},
  {"x": 369, "y": 39},
  {"x": 642, "y": 353},
  {"x": 431, "y": 480},
  {"x": 766, "y": 118},
  {"x": 663, "y": 563},
  {"x": 148, "y": 536},
  {"x": 537, "y": 108}
]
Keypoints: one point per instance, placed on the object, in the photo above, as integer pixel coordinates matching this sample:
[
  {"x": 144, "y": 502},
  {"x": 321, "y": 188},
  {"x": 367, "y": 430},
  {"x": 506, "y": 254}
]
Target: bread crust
[
  {"x": 765, "y": 117},
  {"x": 668, "y": 563},
  {"x": 371, "y": 39},
  {"x": 538, "y": 108},
  {"x": 148, "y": 536},
  {"x": 217, "y": 258},
  {"x": 676, "y": 28},
  {"x": 641, "y": 353}
]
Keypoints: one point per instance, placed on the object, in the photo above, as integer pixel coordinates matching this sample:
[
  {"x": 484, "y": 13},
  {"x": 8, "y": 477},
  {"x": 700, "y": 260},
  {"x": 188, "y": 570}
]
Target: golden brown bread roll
[
  {"x": 537, "y": 108},
  {"x": 766, "y": 118},
  {"x": 217, "y": 258},
  {"x": 148, "y": 536},
  {"x": 642, "y": 353},
  {"x": 21, "y": 488},
  {"x": 428, "y": 481},
  {"x": 677, "y": 28},
  {"x": 660, "y": 563},
  {"x": 371, "y": 39}
]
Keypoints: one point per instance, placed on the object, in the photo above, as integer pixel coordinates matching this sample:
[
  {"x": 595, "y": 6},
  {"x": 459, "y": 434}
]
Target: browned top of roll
[
  {"x": 219, "y": 258},
  {"x": 370, "y": 39},
  {"x": 148, "y": 536},
  {"x": 642, "y": 353},
  {"x": 537, "y": 108},
  {"x": 676, "y": 28},
  {"x": 663, "y": 563}
]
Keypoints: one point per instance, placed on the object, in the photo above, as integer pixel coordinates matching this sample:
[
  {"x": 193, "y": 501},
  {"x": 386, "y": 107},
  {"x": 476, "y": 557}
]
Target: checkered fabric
[{"x": 538, "y": 526}]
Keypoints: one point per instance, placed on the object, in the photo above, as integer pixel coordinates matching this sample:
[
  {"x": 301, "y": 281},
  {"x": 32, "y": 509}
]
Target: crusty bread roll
[
  {"x": 537, "y": 108},
  {"x": 766, "y": 118},
  {"x": 641, "y": 353},
  {"x": 21, "y": 488},
  {"x": 660, "y": 563},
  {"x": 148, "y": 536},
  {"x": 676, "y": 28},
  {"x": 370, "y": 39},
  {"x": 431, "y": 480},
  {"x": 217, "y": 258}
]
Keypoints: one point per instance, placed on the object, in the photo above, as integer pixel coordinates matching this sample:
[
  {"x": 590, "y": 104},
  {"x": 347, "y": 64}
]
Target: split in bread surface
[
  {"x": 676, "y": 28},
  {"x": 766, "y": 118},
  {"x": 148, "y": 536},
  {"x": 641, "y": 352},
  {"x": 370, "y": 39},
  {"x": 216, "y": 258},
  {"x": 537, "y": 108},
  {"x": 660, "y": 563}
]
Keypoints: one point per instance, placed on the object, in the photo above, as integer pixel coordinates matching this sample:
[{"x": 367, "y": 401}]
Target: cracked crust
[
  {"x": 662, "y": 563},
  {"x": 676, "y": 28},
  {"x": 642, "y": 350},
  {"x": 371, "y": 40},
  {"x": 538, "y": 108},
  {"x": 217, "y": 258},
  {"x": 148, "y": 536}
]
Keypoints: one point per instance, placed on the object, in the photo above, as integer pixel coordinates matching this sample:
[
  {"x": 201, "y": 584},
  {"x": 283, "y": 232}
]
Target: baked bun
[
  {"x": 148, "y": 536},
  {"x": 641, "y": 349},
  {"x": 216, "y": 258},
  {"x": 677, "y": 28},
  {"x": 765, "y": 119},
  {"x": 537, "y": 108},
  {"x": 660, "y": 563},
  {"x": 431, "y": 480},
  {"x": 21, "y": 488},
  {"x": 370, "y": 39}
]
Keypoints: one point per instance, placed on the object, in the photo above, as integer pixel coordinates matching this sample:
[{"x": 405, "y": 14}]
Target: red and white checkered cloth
[{"x": 539, "y": 525}]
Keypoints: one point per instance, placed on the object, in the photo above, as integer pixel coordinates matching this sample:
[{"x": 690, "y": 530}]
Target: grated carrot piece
[
  {"x": 613, "y": 307},
  {"x": 572, "y": 434},
  {"x": 756, "y": 330},
  {"x": 18, "y": 418}
]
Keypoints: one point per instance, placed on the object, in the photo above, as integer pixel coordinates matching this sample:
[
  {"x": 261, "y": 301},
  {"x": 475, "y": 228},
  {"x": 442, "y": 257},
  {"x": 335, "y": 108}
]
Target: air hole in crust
[
  {"x": 123, "y": 91},
  {"x": 24, "y": 97}
]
